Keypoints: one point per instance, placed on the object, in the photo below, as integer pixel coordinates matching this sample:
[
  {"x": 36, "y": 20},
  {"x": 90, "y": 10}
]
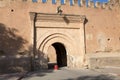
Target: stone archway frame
[
  {"x": 66, "y": 41},
  {"x": 50, "y": 38},
  {"x": 55, "y": 37}
]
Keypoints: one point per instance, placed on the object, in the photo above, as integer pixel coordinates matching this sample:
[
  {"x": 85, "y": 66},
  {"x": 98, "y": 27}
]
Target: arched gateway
[
  {"x": 57, "y": 55},
  {"x": 58, "y": 39}
]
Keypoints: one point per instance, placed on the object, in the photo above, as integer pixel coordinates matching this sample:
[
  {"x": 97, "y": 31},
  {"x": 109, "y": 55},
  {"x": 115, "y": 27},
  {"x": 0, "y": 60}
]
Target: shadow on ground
[
  {"x": 99, "y": 77},
  {"x": 27, "y": 75},
  {"x": 87, "y": 77},
  {"x": 40, "y": 73}
]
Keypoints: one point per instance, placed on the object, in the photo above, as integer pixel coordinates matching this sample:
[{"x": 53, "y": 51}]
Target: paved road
[{"x": 67, "y": 74}]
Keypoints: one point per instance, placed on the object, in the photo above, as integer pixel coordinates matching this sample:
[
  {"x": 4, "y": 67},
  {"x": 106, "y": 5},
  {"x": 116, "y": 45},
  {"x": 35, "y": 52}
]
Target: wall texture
[{"x": 102, "y": 27}]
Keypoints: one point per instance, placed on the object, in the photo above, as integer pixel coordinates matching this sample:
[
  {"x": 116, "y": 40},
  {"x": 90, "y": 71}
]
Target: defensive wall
[{"x": 32, "y": 32}]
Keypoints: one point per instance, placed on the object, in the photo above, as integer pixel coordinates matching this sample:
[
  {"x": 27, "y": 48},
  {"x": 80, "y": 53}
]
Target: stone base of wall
[
  {"x": 102, "y": 60},
  {"x": 10, "y": 64}
]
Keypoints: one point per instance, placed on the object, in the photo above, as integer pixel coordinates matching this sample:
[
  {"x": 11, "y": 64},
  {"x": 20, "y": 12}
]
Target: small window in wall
[
  {"x": 34, "y": 0},
  {"x": 62, "y": 2},
  {"x": 44, "y": 1},
  {"x": 53, "y": 1},
  {"x": 71, "y": 2}
]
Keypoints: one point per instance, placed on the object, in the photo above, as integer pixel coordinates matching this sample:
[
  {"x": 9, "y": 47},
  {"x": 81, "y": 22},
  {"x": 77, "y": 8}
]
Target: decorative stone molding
[
  {"x": 55, "y": 28},
  {"x": 56, "y": 19}
]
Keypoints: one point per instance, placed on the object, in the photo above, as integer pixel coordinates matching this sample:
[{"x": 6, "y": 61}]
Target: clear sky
[
  {"x": 101, "y": 0},
  {"x": 86, "y": 0}
]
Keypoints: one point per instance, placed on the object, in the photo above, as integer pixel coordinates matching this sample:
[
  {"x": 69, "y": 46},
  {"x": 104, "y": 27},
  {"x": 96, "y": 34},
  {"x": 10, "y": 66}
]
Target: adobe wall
[
  {"x": 102, "y": 32},
  {"x": 107, "y": 19}
]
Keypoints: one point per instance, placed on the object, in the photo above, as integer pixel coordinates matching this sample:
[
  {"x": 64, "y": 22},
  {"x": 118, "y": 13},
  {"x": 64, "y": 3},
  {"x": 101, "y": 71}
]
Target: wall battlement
[{"x": 80, "y": 3}]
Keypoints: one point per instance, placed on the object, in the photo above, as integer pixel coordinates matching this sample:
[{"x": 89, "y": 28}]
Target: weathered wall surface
[
  {"x": 52, "y": 28},
  {"x": 102, "y": 28}
]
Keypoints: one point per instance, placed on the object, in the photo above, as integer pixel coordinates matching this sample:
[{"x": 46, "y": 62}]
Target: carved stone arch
[
  {"x": 63, "y": 39},
  {"x": 56, "y": 37},
  {"x": 66, "y": 29}
]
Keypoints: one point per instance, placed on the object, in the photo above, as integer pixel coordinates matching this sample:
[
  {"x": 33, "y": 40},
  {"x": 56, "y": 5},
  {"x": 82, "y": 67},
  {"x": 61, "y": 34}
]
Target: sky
[
  {"x": 86, "y": 0},
  {"x": 101, "y": 0}
]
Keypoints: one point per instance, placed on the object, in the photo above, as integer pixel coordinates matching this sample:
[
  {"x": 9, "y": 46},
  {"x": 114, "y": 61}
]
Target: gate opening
[{"x": 57, "y": 55}]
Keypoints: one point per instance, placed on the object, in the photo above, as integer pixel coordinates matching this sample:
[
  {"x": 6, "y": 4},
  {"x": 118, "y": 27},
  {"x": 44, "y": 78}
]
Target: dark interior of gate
[{"x": 61, "y": 57}]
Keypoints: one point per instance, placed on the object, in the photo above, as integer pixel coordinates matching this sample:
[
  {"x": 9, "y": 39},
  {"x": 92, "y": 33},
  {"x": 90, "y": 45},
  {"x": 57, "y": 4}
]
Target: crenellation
[
  {"x": 91, "y": 4},
  {"x": 98, "y": 4},
  {"x": 81, "y": 3},
  {"x": 104, "y": 5},
  {"x": 75, "y": 1}
]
